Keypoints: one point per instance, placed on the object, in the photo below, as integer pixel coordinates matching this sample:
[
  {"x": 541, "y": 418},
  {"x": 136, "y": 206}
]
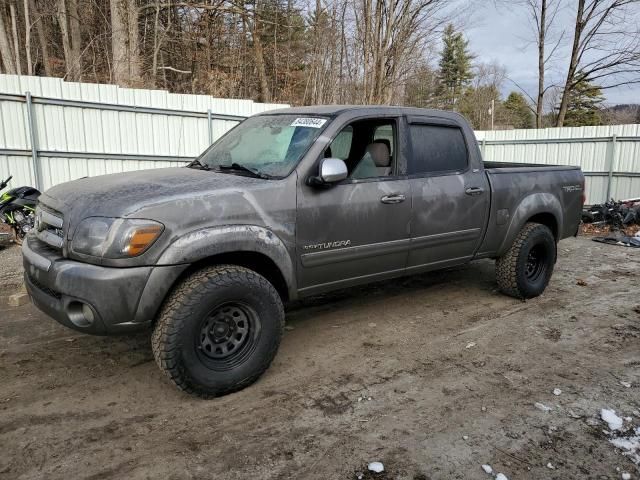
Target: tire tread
[{"x": 166, "y": 339}]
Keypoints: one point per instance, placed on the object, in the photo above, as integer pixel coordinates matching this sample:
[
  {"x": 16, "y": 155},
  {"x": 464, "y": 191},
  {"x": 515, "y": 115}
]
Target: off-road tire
[
  {"x": 179, "y": 328},
  {"x": 513, "y": 268}
]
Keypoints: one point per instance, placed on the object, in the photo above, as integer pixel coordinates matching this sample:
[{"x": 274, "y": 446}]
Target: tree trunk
[
  {"x": 63, "y": 22},
  {"x": 42, "y": 39},
  {"x": 74, "y": 68},
  {"x": 27, "y": 37},
  {"x": 156, "y": 45},
  {"x": 16, "y": 42},
  {"x": 260, "y": 65},
  {"x": 542, "y": 30},
  {"x": 573, "y": 65},
  {"x": 134, "y": 43},
  {"x": 124, "y": 42},
  {"x": 119, "y": 43},
  {"x": 5, "y": 46}
]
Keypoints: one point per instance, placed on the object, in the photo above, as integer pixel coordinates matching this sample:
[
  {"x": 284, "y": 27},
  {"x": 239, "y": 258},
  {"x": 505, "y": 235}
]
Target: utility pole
[{"x": 493, "y": 107}]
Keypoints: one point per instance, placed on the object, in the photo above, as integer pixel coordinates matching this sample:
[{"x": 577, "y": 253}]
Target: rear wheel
[
  {"x": 525, "y": 270},
  {"x": 219, "y": 330}
]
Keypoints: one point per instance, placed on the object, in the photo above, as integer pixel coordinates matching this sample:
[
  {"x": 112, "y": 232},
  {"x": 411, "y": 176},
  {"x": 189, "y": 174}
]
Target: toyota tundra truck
[{"x": 289, "y": 203}]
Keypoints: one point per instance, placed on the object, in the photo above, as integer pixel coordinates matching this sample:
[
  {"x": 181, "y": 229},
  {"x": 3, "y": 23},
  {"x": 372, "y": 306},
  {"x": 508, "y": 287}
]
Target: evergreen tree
[
  {"x": 455, "y": 68},
  {"x": 585, "y": 104},
  {"x": 517, "y": 111}
]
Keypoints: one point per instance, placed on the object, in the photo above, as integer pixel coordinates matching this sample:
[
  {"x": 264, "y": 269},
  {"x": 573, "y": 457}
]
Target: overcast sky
[{"x": 504, "y": 35}]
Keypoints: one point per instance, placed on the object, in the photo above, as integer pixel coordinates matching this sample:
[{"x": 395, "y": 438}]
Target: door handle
[
  {"x": 393, "y": 198},
  {"x": 474, "y": 190}
]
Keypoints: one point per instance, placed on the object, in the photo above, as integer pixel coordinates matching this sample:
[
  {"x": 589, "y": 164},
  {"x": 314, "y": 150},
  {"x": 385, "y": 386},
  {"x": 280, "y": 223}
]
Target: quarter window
[{"x": 437, "y": 149}]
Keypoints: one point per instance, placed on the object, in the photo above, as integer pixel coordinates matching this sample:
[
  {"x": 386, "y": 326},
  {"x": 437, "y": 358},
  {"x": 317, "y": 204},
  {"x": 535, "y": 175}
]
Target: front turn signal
[{"x": 140, "y": 239}]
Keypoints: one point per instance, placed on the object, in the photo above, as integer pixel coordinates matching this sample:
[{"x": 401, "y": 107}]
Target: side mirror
[{"x": 332, "y": 170}]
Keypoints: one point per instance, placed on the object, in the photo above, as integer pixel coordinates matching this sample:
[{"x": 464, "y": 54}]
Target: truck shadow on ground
[{"x": 133, "y": 350}]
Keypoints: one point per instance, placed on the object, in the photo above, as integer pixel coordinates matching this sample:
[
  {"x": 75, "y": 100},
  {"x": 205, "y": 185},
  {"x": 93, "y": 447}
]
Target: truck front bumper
[{"x": 94, "y": 299}]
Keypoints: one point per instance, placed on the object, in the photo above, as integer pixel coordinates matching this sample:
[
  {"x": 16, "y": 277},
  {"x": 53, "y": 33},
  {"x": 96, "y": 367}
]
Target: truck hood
[{"x": 135, "y": 194}]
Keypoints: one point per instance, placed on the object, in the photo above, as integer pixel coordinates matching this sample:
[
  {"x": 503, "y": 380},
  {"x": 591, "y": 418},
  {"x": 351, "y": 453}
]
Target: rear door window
[{"x": 437, "y": 149}]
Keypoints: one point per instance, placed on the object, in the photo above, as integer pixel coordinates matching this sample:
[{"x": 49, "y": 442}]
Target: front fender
[
  {"x": 207, "y": 242},
  {"x": 531, "y": 205}
]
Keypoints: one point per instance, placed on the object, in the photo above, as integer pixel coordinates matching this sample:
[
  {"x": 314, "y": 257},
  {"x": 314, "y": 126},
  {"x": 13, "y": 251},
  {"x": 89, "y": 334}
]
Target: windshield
[{"x": 271, "y": 145}]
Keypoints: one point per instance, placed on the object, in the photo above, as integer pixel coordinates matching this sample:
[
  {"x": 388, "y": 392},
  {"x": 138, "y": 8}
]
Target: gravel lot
[
  {"x": 433, "y": 375},
  {"x": 10, "y": 270}
]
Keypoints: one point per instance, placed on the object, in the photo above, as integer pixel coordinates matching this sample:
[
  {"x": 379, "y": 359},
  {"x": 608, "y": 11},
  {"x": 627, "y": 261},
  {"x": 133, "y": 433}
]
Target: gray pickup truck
[{"x": 289, "y": 203}]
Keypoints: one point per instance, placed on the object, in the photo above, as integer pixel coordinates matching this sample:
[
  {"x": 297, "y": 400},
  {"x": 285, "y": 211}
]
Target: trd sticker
[{"x": 572, "y": 188}]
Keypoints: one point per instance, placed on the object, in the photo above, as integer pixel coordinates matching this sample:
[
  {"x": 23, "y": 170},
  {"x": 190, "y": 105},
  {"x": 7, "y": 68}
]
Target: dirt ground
[{"x": 432, "y": 375}]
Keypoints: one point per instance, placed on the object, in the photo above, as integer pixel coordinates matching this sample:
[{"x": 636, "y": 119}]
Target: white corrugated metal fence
[
  {"x": 72, "y": 130},
  {"x": 53, "y": 131},
  {"x": 608, "y": 155}
]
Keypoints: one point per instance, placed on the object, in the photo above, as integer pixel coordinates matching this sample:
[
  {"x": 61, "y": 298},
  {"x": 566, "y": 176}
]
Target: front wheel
[
  {"x": 218, "y": 331},
  {"x": 525, "y": 270}
]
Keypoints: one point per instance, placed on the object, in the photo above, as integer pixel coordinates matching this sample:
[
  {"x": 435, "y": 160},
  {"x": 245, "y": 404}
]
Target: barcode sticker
[{"x": 309, "y": 122}]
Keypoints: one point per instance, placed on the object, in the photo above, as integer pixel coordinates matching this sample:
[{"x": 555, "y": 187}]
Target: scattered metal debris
[{"x": 617, "y": 218}]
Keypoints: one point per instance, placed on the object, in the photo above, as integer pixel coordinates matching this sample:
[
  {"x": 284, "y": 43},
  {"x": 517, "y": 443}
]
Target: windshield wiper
[
  {"x": 242, "y": 168},
  {"x": 198, "y": 164}
]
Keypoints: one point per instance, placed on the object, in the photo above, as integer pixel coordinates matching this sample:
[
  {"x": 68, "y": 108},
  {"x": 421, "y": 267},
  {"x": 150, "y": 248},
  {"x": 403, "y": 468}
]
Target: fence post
[
  {"x": 210, "y": 126},
  {"x": 34, "y": 144},
  {"x": 612, "y": 159}
]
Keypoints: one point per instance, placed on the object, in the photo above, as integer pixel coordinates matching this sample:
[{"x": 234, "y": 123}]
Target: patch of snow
[
  {"x": 625, "y": 384},
  {"x": 376, "y": 467},
  {"x": 501, "y": 476},
  {"x": 626, "y": 476},
  {"x": 609, "y": 416},
  {"x": 550, "y": 466},
  {"x": 465, "y": 437},
  {"x": 542, "y": 407},
  {"x": 487, "y": 469},
  {"x": 630, "y": 445},
  {"x": 470, "y": 345},
  {"x": 557, "y": 391}
]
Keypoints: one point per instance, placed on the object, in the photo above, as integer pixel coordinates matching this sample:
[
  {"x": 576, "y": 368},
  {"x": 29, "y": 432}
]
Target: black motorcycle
[{"x": 17, "y": 209}]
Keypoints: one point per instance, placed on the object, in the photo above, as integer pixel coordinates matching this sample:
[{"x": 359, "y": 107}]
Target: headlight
[{"x": 115, "y": 237}]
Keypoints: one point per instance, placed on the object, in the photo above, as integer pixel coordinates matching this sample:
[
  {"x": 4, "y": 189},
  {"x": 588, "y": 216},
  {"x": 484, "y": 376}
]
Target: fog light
[{"x": 80, "y": 314}]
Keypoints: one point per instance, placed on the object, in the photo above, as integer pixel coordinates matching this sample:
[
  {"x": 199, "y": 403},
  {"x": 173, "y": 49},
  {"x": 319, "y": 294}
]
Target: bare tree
[
  {"x": 16, "y": 41},
  {"x": 8, "y": 60},
  {"x": 605, "y": 49},
  {"x": 542, "y": 14},
  {"x": 125, "y": 42},
  {"x": 27, "y": 37},
  {"x": 390, "y": 36},
  {"x": 41, "y": 31}
]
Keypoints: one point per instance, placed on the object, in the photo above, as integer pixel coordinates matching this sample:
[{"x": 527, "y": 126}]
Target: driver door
[{"x": 357, "y": 230}]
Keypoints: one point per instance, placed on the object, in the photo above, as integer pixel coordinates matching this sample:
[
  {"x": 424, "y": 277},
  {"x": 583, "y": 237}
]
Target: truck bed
[{"x": 513, "y": 183}]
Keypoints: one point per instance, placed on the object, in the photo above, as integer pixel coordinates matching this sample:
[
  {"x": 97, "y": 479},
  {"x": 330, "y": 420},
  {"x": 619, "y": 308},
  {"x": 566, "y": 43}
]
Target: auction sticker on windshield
[{"x": 309, "y": 122}]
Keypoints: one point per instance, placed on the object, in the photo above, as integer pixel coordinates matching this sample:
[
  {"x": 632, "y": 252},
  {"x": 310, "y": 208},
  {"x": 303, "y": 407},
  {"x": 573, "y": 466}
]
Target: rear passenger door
[{"x": 450, "y": 197}]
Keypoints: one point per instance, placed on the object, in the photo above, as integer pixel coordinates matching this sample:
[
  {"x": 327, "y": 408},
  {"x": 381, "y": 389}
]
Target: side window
[
  {"x": 437, "y": 149},
  {"x": 384, "y": 134},
  {"x": 341, "y": 145}
]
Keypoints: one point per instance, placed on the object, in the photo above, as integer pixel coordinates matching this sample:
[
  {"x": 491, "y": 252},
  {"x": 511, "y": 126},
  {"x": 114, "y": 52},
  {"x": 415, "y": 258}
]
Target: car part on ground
[
  {"x": 616, "y": 214},
  {"x": 616, "y": 218},
  {"x": 618, "y": 238}
]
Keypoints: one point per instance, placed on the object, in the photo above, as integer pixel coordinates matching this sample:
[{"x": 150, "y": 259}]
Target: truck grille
[{"x": 48, "y": 226}]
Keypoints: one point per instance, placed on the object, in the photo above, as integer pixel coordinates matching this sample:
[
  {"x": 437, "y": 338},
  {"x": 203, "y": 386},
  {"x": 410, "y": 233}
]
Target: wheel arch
[
  {"x": 543, "y": 208},
  {"x": 253, "y": 247}
]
